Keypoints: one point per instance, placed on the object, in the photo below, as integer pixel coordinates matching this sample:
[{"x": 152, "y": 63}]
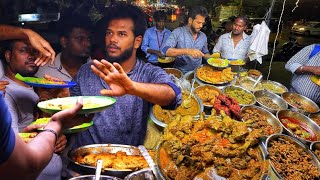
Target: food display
[
  {"x": 273, "y": 87},
  {"x": 207, "y": 94},
  {"x": 119, "y": 160},
  {"x": 298, "y": 128},
  {"x": 27, "y": 137},
  {"x": 317, "y": 153},
  {"x": 91, "y": 104},
  {"x": 195, "y": 149},
  {"x": 257, "y": 120},
  {"x": 213, "y": 76},
  {"x": 243, "y": 97},
  {"x": 291, "y": 161},
  {"x": 220, "y": 63},
  {"x": 254, "y": 73},
  {"x": 267, "y": 101},
  {"x": 301, "y": 102},
  {"x": 167, "y": 116},
  {"x": 228, "y": 105}
]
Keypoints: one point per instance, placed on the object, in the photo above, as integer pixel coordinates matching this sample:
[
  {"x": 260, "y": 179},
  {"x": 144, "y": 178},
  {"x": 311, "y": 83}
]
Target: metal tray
[{"x": 100, "y": 148}]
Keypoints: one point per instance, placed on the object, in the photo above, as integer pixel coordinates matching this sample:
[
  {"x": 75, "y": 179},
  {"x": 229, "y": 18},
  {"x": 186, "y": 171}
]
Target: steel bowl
[
  {"x": 302, "y": 119},
  {"x": 163, "y": 124},
  {"x": 201, "y": 87},
  {"x": 176, "y": 72},
  {"x": 271, "y": 119},
  {"x": 248, "y": 82},
  {"x": 100, "y": 148},
  {"x": 92, "y": 177},
  {"x": 276, "y": 85},
  {"x": 314, "y": 117},
  {"x": 231, "y": 88},
  {"x": 315, "y": 146},
  {"x": 302, "y": 99},
  {"x": 143, "y": 174},
  {"x": 298, "y": 144},
  {"x": 275, "y": 98}
]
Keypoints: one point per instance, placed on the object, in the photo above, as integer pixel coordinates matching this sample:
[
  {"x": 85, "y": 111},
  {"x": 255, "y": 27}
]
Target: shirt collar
[
  {"x": 244, "y": 35},
  {"x": 164, "y": 30}
]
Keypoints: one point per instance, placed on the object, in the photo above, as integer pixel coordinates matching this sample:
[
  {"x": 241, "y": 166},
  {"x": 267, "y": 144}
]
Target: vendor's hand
[
  {"x": 114, "y": 76},
  {"x": 60, "y": 144},
  {"x": 3, "y": 85},
  {"x": 32, "y": 128},
  {"x": 159, "y": 54},
  {"x": 195, "y": 53},
  {"x": 315, "y": 70},
  {"x": 46, "y": 52}
]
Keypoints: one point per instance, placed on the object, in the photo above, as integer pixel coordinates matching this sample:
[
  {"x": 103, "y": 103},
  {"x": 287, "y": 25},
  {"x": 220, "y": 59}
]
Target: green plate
[
  {"x": 315, "y": 79},
  {"x": 91, "y": 104},
  {"x": 219, "y": 63},
  {"x": 75, "y": 129}
]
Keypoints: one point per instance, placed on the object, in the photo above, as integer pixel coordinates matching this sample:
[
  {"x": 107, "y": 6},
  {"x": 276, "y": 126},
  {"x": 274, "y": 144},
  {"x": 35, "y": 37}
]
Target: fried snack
[
  {"x": 254, "y": 73},
  {"x": 119, "y": 160},
  {"x": 210, "y": 75}
]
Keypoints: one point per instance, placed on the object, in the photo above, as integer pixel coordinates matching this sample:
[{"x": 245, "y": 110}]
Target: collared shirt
[
  {"x": 182, "y": 38},
  {"x": 125, "y": 122},
  {"x": 225, "y": 47},
  {"x": 154, "y": 39},
  {"x": 301, "y": 83},
  {"x": 56, "y": 69}
]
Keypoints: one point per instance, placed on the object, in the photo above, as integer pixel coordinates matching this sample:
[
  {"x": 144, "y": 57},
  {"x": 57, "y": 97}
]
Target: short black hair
[
  {"x": 243, "y": 18},
  {"x": 69, "y": 21},
  {"x": 159, "y": 15},
  {"x": 124, "y": 11},
  {"x": 7, "y": 45},
  {"x": 198, "y": 10}
]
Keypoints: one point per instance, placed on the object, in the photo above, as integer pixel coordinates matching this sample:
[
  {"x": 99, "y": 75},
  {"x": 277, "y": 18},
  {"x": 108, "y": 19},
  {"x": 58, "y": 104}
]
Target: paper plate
[
  {"x": 44, "y": 83},
  {"x": 75, "y": 129},
  {"x": 91, "y": 104}
]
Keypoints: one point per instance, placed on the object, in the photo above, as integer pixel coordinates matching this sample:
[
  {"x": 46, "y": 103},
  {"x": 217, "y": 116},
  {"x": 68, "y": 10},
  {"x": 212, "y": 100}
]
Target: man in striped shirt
[{"x": 303, "y": 65}]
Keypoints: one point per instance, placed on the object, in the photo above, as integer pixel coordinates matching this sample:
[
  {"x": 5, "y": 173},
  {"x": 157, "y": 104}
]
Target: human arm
[
  {"x": 28, "y": 160},
  {"x": 121, "y": 84},
  {"x": 46, "y": 52},
  {"x": 296, "y": 64},
  {"x": 173, "y": 52}
]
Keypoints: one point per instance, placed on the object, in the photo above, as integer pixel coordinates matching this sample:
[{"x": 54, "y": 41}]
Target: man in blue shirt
[
  {"x": 155, "y": 37},
  {"x": 135, "y": 85},
  {"x": 188, "y": 44}
]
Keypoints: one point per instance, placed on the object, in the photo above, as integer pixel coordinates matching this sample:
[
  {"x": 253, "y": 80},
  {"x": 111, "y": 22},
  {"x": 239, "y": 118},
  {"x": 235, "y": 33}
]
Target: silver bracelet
[{"x": 52, "y": 131}]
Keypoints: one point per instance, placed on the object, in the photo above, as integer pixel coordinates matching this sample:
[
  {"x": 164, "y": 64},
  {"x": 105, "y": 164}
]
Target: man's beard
[
  {"x": 122, "y": 57},
  {"x": 194, "y": 29}
]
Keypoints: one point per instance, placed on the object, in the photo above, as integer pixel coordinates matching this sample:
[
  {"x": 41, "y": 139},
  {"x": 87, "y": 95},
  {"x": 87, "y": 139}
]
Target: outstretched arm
[
  {"x": 28, "y": 160},
  {"x": 121, "y": 84}
]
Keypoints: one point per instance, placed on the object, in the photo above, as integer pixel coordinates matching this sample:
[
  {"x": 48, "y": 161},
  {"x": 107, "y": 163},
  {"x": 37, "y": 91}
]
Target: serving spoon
[
  {"x": 257, "y": 81},
  {"x": 98, "y": 170},
  {"x": 187, "y": 102}
]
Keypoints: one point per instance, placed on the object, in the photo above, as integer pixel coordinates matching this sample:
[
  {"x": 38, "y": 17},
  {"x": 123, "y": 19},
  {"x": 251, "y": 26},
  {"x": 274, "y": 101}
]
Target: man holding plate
[{"x": 135, "y": 85}]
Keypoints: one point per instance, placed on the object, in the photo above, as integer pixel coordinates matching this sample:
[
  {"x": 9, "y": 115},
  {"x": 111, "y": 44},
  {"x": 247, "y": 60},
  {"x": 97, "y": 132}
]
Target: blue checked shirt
[
  {"x": 182, "y": 38},
  {"x": 301, "y": 83},
  {"x": 227, "y": 50},
  {"x": 154, "y": 39}
]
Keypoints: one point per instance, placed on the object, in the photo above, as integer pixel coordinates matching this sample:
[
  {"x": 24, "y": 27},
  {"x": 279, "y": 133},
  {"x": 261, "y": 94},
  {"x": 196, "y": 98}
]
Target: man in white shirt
[{"x": 234, "y": 45}]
